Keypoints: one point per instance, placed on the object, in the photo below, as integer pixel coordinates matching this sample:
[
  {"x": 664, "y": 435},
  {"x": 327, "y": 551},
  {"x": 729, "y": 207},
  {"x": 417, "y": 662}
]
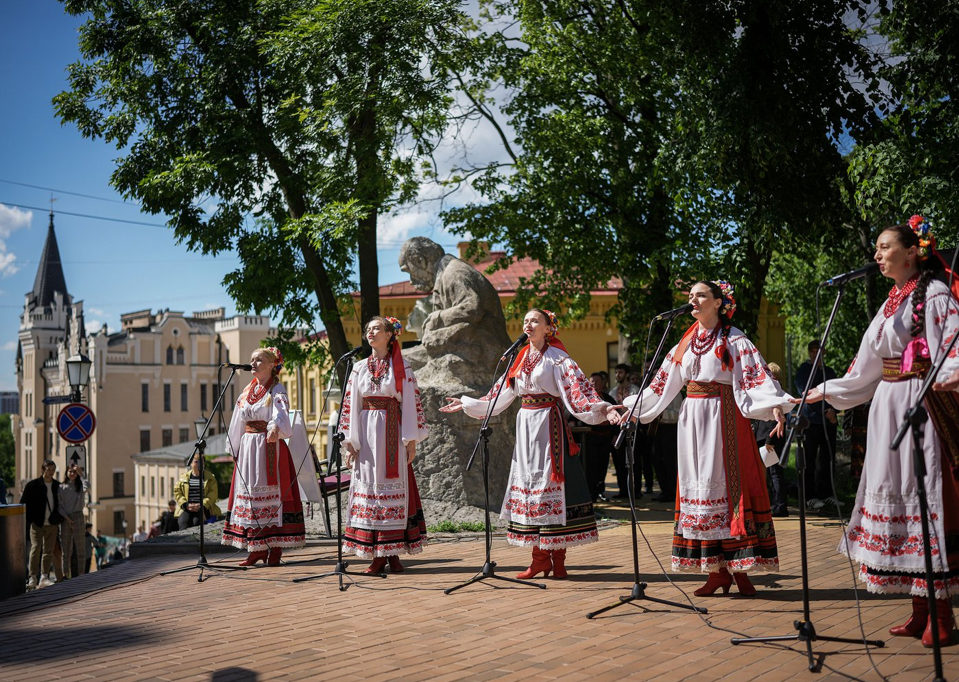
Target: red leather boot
[
  {"x": 717, "y": 579},
  {"x": 559, "y": 563},
  {"x": 274, "y": 558},
  {"x": 745, "y": 586},
  {"x": 944, "y": 621},
  {"x": 395, "y": 565},
  {"x": 917, "y": 621},
  {"x": 379, "y": 563},
  {"x": 254, "y": 557},
  {"x": 541, "y": 562}
]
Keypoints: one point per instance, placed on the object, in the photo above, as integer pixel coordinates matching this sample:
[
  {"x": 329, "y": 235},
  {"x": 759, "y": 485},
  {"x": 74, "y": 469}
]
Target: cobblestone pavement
[{"x": 130, "y": 623}]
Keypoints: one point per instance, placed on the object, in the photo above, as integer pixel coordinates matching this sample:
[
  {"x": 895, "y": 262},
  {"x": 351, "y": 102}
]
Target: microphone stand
[
  {"x": 198, "y": 451},
  {"x": 488, "y": 572},
  {"x": 340, "y": 569},
  {"x": 638, "y": 592},
  {"x": 806, "y": 631}
]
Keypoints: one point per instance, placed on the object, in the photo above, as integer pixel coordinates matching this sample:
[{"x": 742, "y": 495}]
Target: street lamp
[
  {"x": 78, "y": 373},
  {"x": 199, "y": 424}
]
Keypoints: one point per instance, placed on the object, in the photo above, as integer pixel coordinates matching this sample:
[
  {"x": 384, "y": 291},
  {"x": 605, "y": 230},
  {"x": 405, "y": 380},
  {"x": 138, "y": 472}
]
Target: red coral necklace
[
  {"x": 897, "y": 296},
  {"x": 257, "y": 391}
]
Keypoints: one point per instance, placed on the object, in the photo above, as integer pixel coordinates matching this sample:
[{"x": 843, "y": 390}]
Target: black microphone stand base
[
  {"x": 203, "y": 565},
  {"x": 339, "y": 571},
  {"x": 489, "y": 572},
  {"x": 806, "y": 632},
  {"x": 639, "y": 594}
]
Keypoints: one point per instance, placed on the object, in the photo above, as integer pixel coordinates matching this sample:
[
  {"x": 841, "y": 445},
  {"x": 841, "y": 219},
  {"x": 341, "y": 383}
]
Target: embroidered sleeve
[
  {"x": 942, "y": 324},
  {"x": 237, "y": 427},
  {"x": 667, "y": 383},
  {"x": 577, "y": 392},
  {"x": 755, "y": 390},
  {"x": 351, "y": 398},
  {"x": 476, "y": 407},
  {"x": 414, "y": 420}
]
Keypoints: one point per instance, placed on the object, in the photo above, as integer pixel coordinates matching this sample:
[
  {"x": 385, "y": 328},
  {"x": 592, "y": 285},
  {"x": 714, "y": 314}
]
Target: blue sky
[{"x": 113, "y": 267}]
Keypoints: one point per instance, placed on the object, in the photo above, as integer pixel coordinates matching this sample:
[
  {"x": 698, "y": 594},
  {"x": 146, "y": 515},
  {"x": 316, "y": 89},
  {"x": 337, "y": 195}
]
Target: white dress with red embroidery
[
  {"x": 377, "y": 502},
  {"x": 884, "y": 533},
  {"x": 703, "y": 492},
  {"x": 258, "y": 494},
  {"x": 532, "y": 498}
]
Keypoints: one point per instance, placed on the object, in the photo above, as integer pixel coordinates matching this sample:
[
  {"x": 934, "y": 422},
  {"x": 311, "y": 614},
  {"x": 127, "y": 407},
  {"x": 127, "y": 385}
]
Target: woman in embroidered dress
[
  {"x": 723, "y": 520},
  {"x": 547, "y": 505},
  {"x": 264, "y": 514},
  {"x": 382, "y": 422},
  {"x": 897, "y": 350}
]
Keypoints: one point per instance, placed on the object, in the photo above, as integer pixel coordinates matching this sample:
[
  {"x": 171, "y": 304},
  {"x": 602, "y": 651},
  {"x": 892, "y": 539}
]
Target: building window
[
  {"x": 183, "y": 397},
  {"x": 144, "y": 397},
  {"x": 184, "y": 436},
  {"x": 153, "y": 486},
  {"x": 118, "y": 484},
  {"x": 118, "y": 522},
  {"x": 166, "y": 436},
  {"x": 612, "y": 359},
  {"x": 312, "y": 399},
  {"x": 144, "y": 440},
  {"x": 180, "y": 356},
  {"x": 202, "y": 397},
  {"x": 169, "y": 355},
  {"x": 143, "y": 486},
  {"x": 171, "y": 485},
  {"x": 167, "y": 389},
  {"x": 162, "y": 494}
]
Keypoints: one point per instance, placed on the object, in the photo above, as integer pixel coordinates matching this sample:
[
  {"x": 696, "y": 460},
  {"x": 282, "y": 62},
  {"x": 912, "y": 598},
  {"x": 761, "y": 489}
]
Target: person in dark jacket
[{"x": 41, "y": 496}]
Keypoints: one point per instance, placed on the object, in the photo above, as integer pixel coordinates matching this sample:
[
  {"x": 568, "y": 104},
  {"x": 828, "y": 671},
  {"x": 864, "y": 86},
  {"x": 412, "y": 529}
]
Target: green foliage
[
  {"x": 7, "y": 452},
  {"x": 447, "y": 526}
]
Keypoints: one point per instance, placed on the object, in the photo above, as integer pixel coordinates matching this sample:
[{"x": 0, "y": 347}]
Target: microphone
[
  {"x": 356, "y": 350},
  {"x": 247, "y": 368},
  {"x": 850, "y": 276},
  {"x": 523, "y": 338},
  {"x": 675, "y": 312}
]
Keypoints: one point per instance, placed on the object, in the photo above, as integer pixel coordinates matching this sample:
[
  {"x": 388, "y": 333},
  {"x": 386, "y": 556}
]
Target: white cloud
[
  {"x": 9, "y": 345},
  {"x": 11, "y": 220},
  {"x": 94, "y": 311}
]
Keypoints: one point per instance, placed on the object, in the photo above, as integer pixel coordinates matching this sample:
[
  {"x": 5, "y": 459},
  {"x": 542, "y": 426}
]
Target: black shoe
[{"x": 782, "y": 514}]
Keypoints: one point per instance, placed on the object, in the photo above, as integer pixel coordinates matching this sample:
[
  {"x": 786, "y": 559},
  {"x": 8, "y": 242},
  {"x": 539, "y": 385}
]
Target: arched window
[
  {"x": 169, "y": 355},
  {"x": 179, "y": 355}
]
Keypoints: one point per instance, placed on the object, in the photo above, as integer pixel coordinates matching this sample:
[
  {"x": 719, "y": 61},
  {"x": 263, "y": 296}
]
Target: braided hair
[
  {"x": 929, "y": 269},
  {"x": 726, "y": 323}
]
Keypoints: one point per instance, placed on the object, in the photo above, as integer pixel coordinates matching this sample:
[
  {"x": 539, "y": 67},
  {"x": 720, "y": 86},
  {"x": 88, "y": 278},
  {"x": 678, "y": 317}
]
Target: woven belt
[
  {"x": 256, "y": 427},
  {"x": 892, "y": 369},
  {"x": 696, "y": 389},
  {"x": 537, "y": 401},
  {"x": 393, "y": 417}
]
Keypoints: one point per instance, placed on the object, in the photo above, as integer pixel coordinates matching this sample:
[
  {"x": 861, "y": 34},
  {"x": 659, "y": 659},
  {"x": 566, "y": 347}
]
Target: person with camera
[{"x": 41, "y": 496}]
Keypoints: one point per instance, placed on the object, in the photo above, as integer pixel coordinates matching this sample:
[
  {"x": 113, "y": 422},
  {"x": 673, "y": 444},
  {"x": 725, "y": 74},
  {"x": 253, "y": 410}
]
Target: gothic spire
[{"x": 50, "y": 273}]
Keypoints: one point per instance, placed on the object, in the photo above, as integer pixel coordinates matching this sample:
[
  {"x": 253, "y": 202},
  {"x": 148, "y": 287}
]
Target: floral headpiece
[
  {"x": 397, "y": 325},
  {"x": 553, "y": 323},
  {"x": 927, "y": 241},
  {"x": 729, "y": 302},
  {"x": 275, "y": 352}
]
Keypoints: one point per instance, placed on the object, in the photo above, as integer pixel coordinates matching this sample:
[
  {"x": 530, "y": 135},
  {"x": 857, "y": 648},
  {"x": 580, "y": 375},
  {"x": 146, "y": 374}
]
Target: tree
[
  {"x": 310, "y": 115},
  {"x": 663, "y": 142},
  {"x": 7, "y": 453}
]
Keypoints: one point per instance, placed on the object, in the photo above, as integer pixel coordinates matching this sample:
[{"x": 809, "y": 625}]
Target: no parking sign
[{"x": 75, "y": 423}]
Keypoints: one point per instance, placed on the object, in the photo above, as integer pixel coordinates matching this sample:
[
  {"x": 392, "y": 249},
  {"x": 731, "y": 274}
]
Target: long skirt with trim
[
  {"x": 369, "y": 543},
  {"x": 885, "y": 532},
  {"x": 579, "y": 527},
  {"x": 264, "y": 510},
  {"x": 723, "y": 516}
]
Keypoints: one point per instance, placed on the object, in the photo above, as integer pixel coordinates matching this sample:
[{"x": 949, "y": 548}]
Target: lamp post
[
  {"x": 78, "y": 374},
  {"x": 198, "y": 425}
]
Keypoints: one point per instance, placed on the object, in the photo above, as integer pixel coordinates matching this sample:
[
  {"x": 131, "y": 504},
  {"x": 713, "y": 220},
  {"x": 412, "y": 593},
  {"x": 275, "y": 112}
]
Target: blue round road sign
[{"x": 75, "y": 423}]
